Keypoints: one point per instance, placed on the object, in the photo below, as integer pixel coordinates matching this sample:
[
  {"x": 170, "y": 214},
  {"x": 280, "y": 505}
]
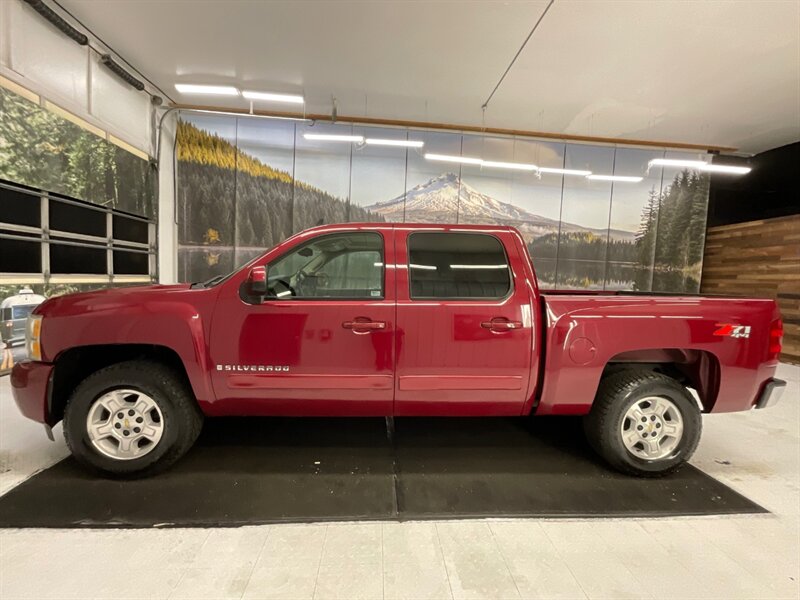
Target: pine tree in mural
[
  {"x": 646, "y": 236},
  {"x": 672, "y": 230}
]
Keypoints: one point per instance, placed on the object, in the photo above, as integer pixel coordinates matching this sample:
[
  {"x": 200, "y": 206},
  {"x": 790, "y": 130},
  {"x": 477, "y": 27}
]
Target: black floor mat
[{"x": 250, "y": 471}]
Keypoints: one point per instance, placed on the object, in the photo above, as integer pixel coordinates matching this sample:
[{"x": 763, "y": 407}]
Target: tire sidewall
[
  {"x": 690, "y": 415},
  {"x": 78, "y": 409}
]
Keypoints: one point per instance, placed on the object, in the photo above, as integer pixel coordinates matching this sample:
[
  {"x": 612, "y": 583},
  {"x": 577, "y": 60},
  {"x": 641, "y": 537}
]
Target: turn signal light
[
  {"x": 33, "y": 335},
  {"x": 775, "y": 338}
]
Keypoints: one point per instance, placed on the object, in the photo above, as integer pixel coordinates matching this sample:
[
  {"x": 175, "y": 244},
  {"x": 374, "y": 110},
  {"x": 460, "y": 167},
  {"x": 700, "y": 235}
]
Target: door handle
[
  {"x": 501, "y": 325},
  {"x": 364, "y": 325}
]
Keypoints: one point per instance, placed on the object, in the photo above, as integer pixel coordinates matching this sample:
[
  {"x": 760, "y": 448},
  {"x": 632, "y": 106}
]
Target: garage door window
[{"x": 457, "y": 266}]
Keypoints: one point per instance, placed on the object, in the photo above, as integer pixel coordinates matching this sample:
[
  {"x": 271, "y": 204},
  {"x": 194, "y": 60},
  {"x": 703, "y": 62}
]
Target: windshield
[{"x": 22, "y": 312}]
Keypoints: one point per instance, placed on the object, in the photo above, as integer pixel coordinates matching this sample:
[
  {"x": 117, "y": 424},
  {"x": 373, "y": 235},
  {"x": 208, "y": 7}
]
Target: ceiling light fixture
[
  {"x": 728, "y": 169},
  {"x": 467, "y": 160},
  {"x": 325, "y": 137},
  {"x": 508, "y": 165},
  {"x": 215, "y": 90},
  {"x": 676, "y": 162},
  {"x": 270, "y": 97},
  {"x": 564, "y": 171},
  {"x": 627, "y": 178},
  {"x": 405, "y": 143},
  {"x": 478, "y": 266}
]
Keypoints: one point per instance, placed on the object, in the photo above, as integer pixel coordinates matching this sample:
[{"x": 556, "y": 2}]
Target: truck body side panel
[{"x": 586, "y": 332}]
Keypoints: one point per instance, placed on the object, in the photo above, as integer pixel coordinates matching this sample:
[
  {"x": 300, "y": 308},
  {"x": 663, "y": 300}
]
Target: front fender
[{"x": 168, "y": 320}]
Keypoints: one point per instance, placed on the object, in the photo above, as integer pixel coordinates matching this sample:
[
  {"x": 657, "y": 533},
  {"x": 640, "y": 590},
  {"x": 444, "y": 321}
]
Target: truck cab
[{"x": 380, "y": 321}]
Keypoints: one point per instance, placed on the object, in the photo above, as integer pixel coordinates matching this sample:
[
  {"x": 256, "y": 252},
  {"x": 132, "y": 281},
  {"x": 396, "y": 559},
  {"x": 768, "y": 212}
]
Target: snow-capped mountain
[{"x": 437, "y": 201}]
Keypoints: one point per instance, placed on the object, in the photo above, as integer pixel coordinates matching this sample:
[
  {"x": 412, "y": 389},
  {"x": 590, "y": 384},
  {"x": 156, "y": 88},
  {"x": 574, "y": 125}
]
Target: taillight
[{"x": 775, "y": 338}]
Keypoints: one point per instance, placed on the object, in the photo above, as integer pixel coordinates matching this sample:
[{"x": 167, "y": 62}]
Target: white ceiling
[{"x": 723, "y": 73}]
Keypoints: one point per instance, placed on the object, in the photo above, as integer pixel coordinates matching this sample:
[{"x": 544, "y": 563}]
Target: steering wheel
[{"x": 285, "y": 284}]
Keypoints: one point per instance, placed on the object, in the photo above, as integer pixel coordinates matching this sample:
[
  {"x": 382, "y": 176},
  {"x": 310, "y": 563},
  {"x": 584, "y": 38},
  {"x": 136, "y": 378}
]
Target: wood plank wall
[{"x": 759, "y": 259}]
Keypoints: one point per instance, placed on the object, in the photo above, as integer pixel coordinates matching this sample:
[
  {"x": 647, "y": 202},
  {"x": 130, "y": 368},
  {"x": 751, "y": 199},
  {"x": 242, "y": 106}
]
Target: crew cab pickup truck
[{"x": 391, "y": 320}]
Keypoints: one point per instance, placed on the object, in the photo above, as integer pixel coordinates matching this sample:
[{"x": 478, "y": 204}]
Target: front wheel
[
  {"x": 643, "y": 423},
  {"x": 131, "y": 419}
]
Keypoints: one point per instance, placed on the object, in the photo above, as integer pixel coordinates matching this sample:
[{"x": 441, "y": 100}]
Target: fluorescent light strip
[
  {"x": 325, "y": 137},
  {"x": 508, "y": 165},
  {"x": 564, "y": 171},
  {"x": 270, "y": 97},
  {"x": 615, "y": 178},
  {"x": 676, "y": 162},
  {"x": 455, "y": 159},
  {"x": 478, "y": 266},
  {"x": 215, "y": 90},
  {"x": 423, "y": 267},
  {"x": 729, "y": 169},
  {"x": 405, "y": 143}
]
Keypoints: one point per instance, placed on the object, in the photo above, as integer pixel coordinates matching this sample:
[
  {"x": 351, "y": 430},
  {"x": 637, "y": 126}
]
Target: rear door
[{"x": 464, "y": 323}]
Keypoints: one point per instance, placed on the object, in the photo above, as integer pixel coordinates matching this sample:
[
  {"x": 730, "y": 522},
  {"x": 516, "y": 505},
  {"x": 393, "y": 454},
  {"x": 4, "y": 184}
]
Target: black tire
[
  {"x": 182, "y": 419},
  {"x": 616, "y": 394}
]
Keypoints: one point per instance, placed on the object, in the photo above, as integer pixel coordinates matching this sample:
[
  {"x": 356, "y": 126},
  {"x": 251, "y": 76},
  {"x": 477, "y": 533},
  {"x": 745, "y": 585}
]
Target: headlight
[{"x": 33, "y": 337}]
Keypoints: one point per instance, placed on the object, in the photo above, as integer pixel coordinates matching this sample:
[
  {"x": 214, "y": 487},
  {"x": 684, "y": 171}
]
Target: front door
[
  {"x": 464, "y": 323},
  {"x": 321, "y": 342}
]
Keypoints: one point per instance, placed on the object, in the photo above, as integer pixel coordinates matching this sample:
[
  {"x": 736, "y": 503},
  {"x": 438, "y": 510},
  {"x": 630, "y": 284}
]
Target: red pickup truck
[{"x": 391, "y": 320}]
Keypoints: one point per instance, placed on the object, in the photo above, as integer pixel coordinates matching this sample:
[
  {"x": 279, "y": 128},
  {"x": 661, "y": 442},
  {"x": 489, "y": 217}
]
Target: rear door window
[{"x": 457, "y": 266}]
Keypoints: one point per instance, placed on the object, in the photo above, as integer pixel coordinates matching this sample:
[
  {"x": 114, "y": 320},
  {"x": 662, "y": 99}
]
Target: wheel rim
[
  {"x": 125, "y": 424},
  {"x": 652, "y": 428}
]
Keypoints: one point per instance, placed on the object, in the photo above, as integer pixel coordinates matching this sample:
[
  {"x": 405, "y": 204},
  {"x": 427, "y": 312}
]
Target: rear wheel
[
  {"x": 131, "y": 419},
  {"x": 643, "y": 423}
]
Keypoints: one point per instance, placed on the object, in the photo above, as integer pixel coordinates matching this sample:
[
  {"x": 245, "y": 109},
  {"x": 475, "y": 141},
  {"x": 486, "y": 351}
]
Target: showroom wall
[
  {"x": 244, "y": 184},
  {"x": 753, "y": 243}
]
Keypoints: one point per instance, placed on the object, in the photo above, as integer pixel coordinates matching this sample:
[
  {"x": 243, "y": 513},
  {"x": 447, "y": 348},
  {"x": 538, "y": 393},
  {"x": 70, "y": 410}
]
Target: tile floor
[{"x": 756, "y": 453}]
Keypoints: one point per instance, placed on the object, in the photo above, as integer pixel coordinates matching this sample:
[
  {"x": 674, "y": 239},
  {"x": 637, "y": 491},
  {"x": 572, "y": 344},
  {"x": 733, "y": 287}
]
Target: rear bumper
[
  {"x": 30, "y": 384},
  {"x": 771, "y": 394}
]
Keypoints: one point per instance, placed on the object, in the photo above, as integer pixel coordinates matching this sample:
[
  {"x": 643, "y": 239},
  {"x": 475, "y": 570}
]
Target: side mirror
[{"x": 257, "y": 281}]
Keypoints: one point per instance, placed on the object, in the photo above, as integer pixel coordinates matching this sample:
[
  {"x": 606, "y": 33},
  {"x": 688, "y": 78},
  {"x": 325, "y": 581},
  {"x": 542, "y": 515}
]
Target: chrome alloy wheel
[
  {"x": 125, "y": 424},
  {"x": 652, "y": 428}
]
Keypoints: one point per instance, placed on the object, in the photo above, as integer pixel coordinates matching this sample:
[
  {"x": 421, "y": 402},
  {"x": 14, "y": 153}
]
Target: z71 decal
[{"x": 731, "y": 330}]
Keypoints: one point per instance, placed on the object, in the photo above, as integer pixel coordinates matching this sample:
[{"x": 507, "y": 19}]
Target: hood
[{"x": 104, "y": 299}]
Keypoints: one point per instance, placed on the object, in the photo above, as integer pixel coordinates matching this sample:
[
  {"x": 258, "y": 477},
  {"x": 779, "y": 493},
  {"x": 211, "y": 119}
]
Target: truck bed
[{"x": 705, "y": 335}]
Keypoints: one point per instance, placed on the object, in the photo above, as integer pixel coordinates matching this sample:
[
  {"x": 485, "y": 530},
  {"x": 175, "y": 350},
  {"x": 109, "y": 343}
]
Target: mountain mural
[{"x": 441, "y": 198}]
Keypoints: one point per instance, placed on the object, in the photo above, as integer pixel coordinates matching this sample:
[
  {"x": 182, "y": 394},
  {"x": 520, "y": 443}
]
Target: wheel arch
[
  {"x": 697, "y": 369},
  {"x": 75, "y": 364}
]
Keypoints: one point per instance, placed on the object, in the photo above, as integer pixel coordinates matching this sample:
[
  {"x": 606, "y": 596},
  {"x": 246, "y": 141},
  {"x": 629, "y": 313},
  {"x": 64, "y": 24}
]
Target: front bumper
[
  {"x": 30, "y": 385},
  {"x": 772, "y": 392}
]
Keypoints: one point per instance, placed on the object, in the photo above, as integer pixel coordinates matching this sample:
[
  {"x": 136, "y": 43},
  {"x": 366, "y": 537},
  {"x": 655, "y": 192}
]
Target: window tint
[
  {"x": 457, "y": 265},
  {"x": 342, "y": 265}
]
